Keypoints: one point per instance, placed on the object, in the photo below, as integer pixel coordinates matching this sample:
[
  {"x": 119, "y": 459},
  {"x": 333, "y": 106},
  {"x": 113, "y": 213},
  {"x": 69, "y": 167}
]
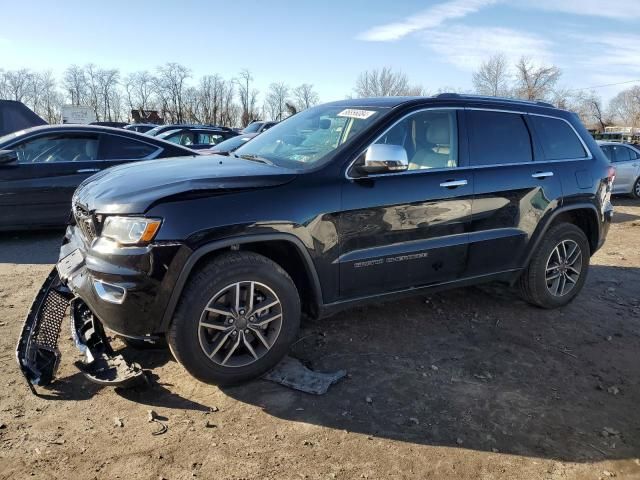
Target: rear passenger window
[
  {"x": 497, "y": 138},
  {"x": 115, "y": 147},
  {"x": 559, "y": 140}
]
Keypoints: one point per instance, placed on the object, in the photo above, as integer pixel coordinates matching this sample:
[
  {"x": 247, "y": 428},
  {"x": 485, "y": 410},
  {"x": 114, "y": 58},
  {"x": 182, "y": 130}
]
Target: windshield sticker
[{"x": 355, "y": 113}]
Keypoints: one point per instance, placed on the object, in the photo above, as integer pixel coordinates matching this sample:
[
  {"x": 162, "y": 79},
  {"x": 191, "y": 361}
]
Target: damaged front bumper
[{"x": 37, "y": 352}]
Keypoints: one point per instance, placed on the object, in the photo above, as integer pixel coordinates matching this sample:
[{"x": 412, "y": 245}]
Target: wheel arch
[
  {"x": 300, "y": 267},
  {"x": 583, "y": 215}
]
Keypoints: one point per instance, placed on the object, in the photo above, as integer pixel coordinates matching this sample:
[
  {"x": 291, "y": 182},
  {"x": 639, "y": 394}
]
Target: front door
[
  {"x": 408, "y": 229},
  {"x": 37, "y": 190}
]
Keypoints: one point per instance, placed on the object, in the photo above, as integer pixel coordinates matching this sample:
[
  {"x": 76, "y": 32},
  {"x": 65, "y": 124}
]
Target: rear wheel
[
  {"x": 236, "y": 319},
  {"x": 635, "y": 192},
  {"x": 558, "y": 269}
]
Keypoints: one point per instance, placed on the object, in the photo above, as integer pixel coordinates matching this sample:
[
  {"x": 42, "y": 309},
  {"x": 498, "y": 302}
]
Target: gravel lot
[{"x": 471, "y": 383}]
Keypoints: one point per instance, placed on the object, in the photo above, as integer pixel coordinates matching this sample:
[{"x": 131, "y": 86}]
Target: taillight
[{"x": 611, "y": 175}]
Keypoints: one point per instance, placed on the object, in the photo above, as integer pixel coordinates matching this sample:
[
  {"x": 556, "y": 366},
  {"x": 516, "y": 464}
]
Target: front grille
[{"x": 85, "y": 222}]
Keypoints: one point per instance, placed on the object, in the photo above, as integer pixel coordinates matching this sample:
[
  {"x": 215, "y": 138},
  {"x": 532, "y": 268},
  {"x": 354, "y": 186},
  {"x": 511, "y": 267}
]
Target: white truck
[{"x": 78, "y": 114}]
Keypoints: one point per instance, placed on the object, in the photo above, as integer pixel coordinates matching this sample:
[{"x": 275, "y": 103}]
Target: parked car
[
  {"x": 41, "y": 167},
  {"x": 140, "y": 127},
  {"x": 160, "y": 129},
  {"x": 626, "y": 160},
  {"x": 110, "y": 124},
  {"x": 230, "y": 145},
  {"x": 349, "y": 202},
  {"x": 258, "y": 127},
  {"x": 16, "y": 116},
  {"x": 197, "y": 138}
]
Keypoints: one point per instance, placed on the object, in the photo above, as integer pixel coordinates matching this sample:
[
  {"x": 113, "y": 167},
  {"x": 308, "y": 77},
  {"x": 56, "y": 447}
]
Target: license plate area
[{"x": 69, "y": 264}]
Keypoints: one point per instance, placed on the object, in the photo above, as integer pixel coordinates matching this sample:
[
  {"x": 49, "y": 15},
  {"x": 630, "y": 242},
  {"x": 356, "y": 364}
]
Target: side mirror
[
  {"x": 381, "y": 158},
  {"x": 8, "y": 157}
]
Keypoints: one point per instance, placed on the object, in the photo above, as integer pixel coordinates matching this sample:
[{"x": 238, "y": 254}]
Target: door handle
[
  {"x": 542, "y": 174},
  {"x": 88, "y": 170},
  {"x": 453, "y": 183}
]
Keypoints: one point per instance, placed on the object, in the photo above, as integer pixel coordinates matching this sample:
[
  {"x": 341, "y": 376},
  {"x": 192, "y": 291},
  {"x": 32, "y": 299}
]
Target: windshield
[
  {"x": 154, "y": 130},
  {"x": 233, "y": 143},
  {"x": 252, "y": 127},
  {"x": 308, "y": 138}
]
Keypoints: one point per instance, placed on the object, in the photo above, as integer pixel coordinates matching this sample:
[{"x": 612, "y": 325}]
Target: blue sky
[{"x": 436, "y": 43}]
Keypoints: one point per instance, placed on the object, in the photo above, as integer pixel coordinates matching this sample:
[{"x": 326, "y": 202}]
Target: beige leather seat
[{"x": 433, "y": 144}]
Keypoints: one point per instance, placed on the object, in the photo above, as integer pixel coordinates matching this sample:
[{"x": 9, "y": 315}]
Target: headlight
[{"x": 131, "y": 230}]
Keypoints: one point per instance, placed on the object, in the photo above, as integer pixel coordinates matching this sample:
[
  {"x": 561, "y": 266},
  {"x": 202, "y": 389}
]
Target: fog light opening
[{"x": 109, "y": 292}]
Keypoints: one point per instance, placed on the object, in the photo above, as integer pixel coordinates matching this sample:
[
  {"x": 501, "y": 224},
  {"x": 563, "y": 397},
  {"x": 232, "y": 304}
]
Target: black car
[
  {"x": 16, "y": 116},
  {"x": 41, "y": 167},
  {"x": 110, "y": 124},
  {"x": 197, "y": 138},
  {"x": 258, "y": 126},
  {"x": 140, "y": 127},
  {"x": 348, "y": 202},
  {"x": 230, "y": 145}
]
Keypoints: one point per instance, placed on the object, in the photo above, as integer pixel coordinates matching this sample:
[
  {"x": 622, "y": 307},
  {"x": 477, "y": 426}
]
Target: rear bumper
[{"x": 124, "y": 287}]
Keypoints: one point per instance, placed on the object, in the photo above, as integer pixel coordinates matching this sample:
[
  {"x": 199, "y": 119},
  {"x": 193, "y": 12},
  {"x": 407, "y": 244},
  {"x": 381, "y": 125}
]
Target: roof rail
[{"x": 500, "y": 99}]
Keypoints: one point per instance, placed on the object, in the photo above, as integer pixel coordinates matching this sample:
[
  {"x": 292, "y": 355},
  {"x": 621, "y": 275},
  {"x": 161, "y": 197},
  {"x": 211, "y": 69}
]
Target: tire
[
  {"x": 204, "y": 351},
  {"x": 535, "y": 285},
  {"x": 635, "y": 191}
]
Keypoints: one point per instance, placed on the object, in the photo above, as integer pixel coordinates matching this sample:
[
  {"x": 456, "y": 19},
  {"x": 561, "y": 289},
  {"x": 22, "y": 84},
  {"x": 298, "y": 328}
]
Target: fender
[
  {"x": 228, "y": 242},
  {"x": 539, "y": 233}
]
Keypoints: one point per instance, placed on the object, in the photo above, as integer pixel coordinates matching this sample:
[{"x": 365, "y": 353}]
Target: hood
[
  {"x": 16, "y": 116},
  {"x": 133, "y": 188}
]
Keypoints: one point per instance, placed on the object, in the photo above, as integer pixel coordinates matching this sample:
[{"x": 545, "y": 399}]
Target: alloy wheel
[
  {"x": 240, "y": 324},
  {"x": 563, "y": 269}
]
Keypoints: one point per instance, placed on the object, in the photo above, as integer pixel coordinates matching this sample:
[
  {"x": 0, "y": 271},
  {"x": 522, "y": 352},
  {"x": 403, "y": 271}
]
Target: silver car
[{"x": 626, "y": 160}]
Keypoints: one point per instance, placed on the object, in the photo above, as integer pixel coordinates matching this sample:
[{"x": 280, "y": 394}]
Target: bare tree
[
  {"x": 74, "y": 82},
  {"x": 171, "y": 81},
  {"x": 248, "y": 96},
  {"x": 625, "y": 107},
  {"x": 108, "y": 80},
  {"x": 384, "y": 83},
  {"x": 305, "y": 97},
  {"x": 534, "y": 82},
  {"x": 492, "y": 78},
  {"x": 140, "y": 87},
  {"x": 18, "y": 84},
  {"x": 276, "y": 100}
]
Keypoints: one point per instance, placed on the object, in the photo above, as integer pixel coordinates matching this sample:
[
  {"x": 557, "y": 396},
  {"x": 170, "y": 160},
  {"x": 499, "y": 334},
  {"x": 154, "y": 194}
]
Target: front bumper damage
[{"x": 37, "y": 352}]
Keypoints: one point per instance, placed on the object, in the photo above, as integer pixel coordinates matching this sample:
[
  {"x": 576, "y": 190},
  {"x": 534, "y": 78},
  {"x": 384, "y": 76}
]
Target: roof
[{"x": 392, "y": 102}]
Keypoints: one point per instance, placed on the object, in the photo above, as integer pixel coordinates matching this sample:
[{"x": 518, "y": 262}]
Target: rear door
[
  {"x": 409, "y": 229},
  {"x": 116, "y": 149},
  {"x": 37, "y": 190},
  {"x": 512, "y": 192}
]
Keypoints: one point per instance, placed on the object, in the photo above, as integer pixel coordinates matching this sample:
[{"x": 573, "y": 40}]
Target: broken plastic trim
[
  {"x": 101, "y": 364},
  {"x": 37, "y": 352}
]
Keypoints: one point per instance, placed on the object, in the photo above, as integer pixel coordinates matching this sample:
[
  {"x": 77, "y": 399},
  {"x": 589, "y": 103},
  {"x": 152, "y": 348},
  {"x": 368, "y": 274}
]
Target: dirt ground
[{"x": 471, "y": 383}]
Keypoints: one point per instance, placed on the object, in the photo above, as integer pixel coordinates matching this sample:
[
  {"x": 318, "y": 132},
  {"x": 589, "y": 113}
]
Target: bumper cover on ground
[{"x": 37, "y": 352}]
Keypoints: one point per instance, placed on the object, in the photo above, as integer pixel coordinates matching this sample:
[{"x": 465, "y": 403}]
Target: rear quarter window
[{"x": 558, "y": 140}]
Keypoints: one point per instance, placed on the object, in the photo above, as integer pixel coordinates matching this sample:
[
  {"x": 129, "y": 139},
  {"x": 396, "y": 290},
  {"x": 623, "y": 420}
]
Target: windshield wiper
[{"x": 254, "y": 158}]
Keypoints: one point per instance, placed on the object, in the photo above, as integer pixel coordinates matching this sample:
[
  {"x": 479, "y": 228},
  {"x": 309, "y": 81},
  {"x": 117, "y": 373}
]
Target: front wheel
[
  {"x": 236, "y": 319},
  {"x": 558, "y": 268}
]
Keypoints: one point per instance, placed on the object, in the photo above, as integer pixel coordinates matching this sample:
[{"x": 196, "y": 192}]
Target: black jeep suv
[{"x": 347, "y": 202}]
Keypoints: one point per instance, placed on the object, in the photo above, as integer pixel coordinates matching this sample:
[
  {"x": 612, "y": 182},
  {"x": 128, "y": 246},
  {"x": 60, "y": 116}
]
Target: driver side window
[
  {"x": 430, "y": 139},
  {"x": 58, "y": 148}
]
